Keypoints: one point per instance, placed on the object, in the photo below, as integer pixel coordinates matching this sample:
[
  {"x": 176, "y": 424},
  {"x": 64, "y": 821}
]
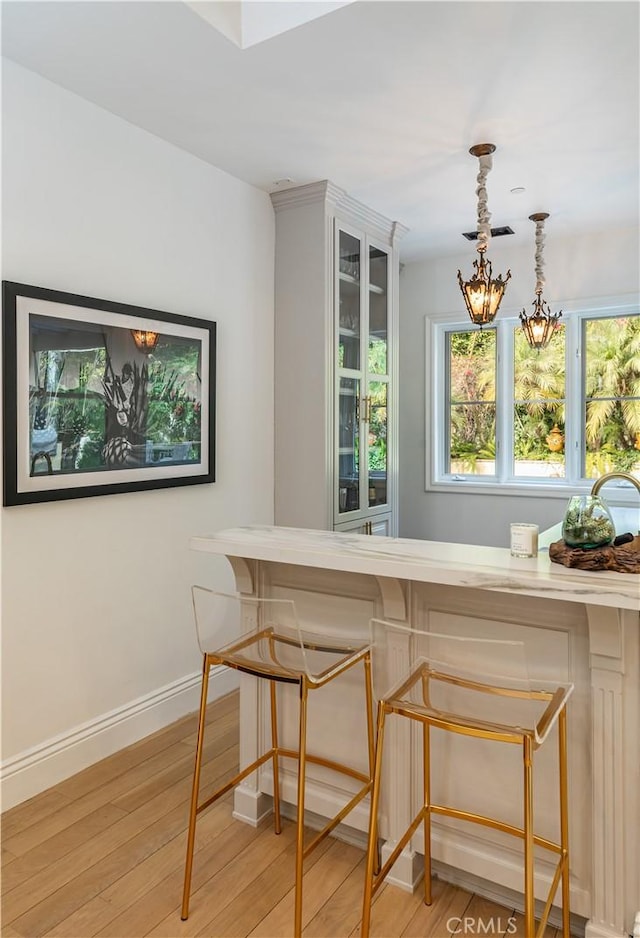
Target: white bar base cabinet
[{"x": 336, "y": 351}]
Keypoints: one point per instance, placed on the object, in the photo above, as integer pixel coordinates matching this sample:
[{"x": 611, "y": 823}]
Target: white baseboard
[
  {"x": 599, "y": 930},
  {"x": 50, "y": 762},
  {"x": 251, "y": 807},
  {"x": 479, "y": 865},
  {"x": 506, "y": 897}
]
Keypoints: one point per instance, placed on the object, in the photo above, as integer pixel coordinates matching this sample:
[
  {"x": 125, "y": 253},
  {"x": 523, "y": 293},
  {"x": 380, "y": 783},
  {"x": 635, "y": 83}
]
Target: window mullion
[
  {"x": 574, "y": 400},
  {"x": 504, "y": 401},
  {"x": 437, "y": 403}
]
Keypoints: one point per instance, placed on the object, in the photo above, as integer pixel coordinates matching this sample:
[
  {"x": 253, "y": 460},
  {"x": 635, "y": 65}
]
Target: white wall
[
  {"x": 98, "y": 646},
  {"x": 595, "y": 265}
]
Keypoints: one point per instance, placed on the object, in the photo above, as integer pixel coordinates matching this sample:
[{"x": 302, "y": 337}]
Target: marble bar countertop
[{"x": 488, "y": 568}]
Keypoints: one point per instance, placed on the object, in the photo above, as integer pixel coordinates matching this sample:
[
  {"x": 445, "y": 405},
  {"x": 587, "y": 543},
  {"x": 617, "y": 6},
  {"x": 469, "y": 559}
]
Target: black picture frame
[{"x": 89, "y": 409}]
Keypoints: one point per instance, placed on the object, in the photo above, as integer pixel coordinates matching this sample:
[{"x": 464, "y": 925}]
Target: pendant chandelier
[
  {"x": 145, "y": 341},
  {"x": 541, "y": 324},
  {"x": 482, "y": 292}
]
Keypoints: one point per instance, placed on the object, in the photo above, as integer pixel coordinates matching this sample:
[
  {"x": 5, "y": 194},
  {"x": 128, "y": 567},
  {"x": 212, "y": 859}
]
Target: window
[
  {"x": 471, "y": 401},
  {"x": 505, "y": 414}
]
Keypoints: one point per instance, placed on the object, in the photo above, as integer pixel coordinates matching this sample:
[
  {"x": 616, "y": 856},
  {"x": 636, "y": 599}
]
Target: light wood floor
[{"x": 102, "y": 853}]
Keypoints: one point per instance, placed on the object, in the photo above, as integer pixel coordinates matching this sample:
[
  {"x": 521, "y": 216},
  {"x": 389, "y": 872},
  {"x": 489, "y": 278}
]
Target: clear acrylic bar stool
[
  {"x": 277, "y": 650},
  {"x": 478, "y": 688}
]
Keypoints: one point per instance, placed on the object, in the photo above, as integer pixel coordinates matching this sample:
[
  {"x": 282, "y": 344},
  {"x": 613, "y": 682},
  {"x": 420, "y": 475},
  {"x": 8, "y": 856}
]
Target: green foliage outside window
[
  {"x": 612, "y": 386},
  {"x": 611, "y": 353},
  {"x": 472, "y": 383}
]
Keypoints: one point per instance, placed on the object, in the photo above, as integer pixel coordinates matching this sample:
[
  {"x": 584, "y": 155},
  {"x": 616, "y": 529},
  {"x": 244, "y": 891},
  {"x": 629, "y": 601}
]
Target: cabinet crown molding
[{"x": 338, "y": 201}]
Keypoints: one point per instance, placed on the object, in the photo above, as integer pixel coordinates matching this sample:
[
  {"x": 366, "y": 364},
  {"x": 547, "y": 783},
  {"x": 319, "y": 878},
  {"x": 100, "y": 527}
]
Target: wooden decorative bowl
[{"x": 623, "y": 559}]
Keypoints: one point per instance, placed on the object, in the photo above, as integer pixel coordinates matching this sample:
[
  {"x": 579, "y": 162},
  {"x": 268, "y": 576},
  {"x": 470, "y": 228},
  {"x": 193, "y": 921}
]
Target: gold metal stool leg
[
  {"x": 371, "y": 736},
  {"x": 529, "y": 918},
  {"x": 302, "y": 768},
  {"x": 368, "y": 686},
  {"x": 372, "y": 845},
  {"x": 564, "y": 820},
  {"x": 276, "y": 770},
  {"x": 426, "y": 768},
  {"x": 195, "y": 789}
]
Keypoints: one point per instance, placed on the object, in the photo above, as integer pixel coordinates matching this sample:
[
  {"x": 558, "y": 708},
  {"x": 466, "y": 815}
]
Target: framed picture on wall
[{"x": 102, "y": 397}]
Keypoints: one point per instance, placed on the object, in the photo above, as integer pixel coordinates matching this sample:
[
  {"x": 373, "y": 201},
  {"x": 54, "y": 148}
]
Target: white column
[
  {"x": 399, "y": 802},
  {"x": 613, "y": 647},
  {"x": 249, "y": 803}
]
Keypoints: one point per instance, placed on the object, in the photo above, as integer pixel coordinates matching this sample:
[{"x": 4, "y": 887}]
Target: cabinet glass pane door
[
  {"x": 349, "y": 328},
  {"x": 349, "y": 445},
  {"x": 377, "y": 442},
  {"x": 378, "y": 312}
]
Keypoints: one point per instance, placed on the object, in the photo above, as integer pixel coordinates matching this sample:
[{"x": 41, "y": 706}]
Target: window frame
[{"x": 504, "y": 482}]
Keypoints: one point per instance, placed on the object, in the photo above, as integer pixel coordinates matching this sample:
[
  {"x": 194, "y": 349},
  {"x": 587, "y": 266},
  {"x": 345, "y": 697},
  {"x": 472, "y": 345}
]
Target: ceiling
[{"x": 382, "y": 97}]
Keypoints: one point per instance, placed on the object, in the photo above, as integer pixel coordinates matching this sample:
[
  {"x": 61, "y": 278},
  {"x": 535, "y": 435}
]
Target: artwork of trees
[{"x": 96, "y": 413}]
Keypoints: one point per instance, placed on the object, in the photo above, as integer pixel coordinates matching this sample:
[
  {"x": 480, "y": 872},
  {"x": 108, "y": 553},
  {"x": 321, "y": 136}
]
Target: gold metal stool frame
[
  {"x": 421, "y": 675},
  {"x": 271, "y": 644}
]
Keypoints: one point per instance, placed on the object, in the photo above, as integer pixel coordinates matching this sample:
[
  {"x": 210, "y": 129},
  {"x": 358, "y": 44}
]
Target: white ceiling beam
[{"x": 248, "y": 22}]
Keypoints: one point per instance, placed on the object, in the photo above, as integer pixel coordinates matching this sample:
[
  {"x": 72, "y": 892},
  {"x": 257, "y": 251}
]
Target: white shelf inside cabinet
[{"x": 352, "y": 281}]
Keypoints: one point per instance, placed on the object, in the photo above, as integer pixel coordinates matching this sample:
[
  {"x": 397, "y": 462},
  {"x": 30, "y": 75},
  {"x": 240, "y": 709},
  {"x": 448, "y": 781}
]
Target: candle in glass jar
[{"x": 524, "y": 540}]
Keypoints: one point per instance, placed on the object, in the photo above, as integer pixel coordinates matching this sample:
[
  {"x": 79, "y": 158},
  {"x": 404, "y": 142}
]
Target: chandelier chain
[
  {"x": 484, "y": 215},
  {"x": 540, "y": 325},
  {"x": 540, "y": 237}
]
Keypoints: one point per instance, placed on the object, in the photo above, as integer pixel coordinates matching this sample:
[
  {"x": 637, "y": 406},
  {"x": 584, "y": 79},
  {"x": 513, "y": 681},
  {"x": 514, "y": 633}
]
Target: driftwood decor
[{"x": 622, "y": 559}]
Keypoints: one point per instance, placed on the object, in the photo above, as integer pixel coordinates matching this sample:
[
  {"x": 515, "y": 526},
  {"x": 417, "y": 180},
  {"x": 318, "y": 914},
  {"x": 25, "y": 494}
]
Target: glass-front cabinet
[
  {"x": 336, "y": 403},
  {"x": 362, "y": 383}
]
